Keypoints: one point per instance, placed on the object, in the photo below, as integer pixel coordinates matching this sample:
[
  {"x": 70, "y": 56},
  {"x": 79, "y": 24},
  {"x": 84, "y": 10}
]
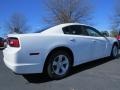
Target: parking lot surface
[{"x": 103, "y": 74}]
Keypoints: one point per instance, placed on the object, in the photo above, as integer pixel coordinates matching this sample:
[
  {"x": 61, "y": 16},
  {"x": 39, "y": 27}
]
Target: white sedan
[{"x": 57, "y": 49}]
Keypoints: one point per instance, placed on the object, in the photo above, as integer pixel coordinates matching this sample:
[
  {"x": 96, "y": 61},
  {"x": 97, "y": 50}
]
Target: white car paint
[{"x": 84, "y": 49}]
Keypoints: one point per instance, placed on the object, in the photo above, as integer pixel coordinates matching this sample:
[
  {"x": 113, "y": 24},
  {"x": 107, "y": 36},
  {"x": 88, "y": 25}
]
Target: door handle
[
  {"x": 94, "y": 40},
  {"x": 73, "y": 40}
]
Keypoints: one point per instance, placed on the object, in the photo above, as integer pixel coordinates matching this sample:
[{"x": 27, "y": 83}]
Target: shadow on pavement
[
  {"x": 37, "y": 78},
  {"x": 90, "y": 65},
  {"x": 1, "y": 56},
  {"x": 42, "y": 78}
]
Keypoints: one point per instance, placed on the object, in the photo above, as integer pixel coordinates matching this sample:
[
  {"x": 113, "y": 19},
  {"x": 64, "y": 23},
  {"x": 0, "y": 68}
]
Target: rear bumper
[
  {"x": 23, "y": 68},
  {"x": 21, "y": 64}
]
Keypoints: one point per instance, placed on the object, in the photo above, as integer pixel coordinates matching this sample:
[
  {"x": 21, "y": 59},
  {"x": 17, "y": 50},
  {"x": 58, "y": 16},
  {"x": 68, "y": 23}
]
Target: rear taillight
[{"x": 13, "y": 42}]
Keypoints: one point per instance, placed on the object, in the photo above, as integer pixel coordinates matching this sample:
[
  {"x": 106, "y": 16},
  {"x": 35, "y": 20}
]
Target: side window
[
  {"x": 74, "y": 30},
  {"x": 93, "y": 32}
]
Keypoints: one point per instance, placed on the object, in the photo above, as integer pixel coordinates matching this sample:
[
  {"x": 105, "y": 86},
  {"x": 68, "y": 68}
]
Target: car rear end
[
  {"x": 10, "y": 52},
  {"x": 17, "y": 55}
]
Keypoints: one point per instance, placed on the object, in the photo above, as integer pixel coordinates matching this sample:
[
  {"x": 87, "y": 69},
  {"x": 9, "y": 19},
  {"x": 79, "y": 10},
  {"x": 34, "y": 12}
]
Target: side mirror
[{"x": 2, "y": 43}]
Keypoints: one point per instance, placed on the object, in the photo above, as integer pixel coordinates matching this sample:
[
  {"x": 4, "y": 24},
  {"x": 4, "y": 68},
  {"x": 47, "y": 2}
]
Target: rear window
[{"x": 44, "y": 29}]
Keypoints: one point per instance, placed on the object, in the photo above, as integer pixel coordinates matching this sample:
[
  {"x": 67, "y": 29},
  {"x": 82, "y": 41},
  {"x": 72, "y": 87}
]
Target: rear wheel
[
  {"x": 59, "y": 64},
  {"x": 115, "y": 51}
]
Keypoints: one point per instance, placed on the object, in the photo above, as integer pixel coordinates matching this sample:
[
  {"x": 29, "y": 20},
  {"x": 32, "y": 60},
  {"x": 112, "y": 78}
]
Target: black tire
[
  {"x": 113, "y": 55},
  {"x": 51, "y": 71}
]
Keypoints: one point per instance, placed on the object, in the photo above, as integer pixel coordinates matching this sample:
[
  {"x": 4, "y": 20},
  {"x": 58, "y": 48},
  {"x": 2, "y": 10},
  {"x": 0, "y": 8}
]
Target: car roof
[
  {"x": 57, "y": 29},
  {"x": 68, "y": 24}
]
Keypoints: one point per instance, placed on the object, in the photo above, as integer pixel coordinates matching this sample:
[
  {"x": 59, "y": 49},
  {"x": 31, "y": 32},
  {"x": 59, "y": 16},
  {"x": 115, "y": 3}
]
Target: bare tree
[
  {"x": 116, "y": 21},
  {"x": 115, "y": 25},
  {"x": 17, "y": 24},
  {"x": 67, "y": 11},
  {"x": 114, "y": 33}
]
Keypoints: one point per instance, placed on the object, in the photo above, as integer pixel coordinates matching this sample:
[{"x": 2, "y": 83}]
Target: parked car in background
[
  {"x": 2, "y": 43},
  {"x": 118, "y": 38},
  {"x": 57, "y": 49}
]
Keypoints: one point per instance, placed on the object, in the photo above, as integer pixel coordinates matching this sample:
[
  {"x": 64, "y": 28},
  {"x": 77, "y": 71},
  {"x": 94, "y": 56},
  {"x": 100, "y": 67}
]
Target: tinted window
[
  {"x": 74, "y": 30},
  {"x": 92, "y": 32}
]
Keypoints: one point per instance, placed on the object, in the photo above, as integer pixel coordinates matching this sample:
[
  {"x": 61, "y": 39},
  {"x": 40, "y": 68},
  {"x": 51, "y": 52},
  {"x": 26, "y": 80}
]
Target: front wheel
[
  {"x": 115, "y": 51},
  {"x": 59, "y": 64}
]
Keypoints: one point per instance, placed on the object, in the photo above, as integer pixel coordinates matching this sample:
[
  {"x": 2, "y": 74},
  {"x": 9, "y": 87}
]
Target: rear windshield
[{"x": 39, "y": 31}]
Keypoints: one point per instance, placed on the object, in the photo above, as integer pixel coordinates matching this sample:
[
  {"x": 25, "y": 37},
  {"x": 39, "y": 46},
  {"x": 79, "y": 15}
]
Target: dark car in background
[
  {"x": 2, "y": 43},
  {"x": 118, "y": 38}
]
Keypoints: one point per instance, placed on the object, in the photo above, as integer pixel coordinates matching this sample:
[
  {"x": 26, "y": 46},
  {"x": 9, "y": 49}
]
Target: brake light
[{"x": 13, "y": 42}]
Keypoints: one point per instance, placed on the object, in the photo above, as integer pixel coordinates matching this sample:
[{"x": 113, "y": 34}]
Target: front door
[{"x": 99, "y": 43}]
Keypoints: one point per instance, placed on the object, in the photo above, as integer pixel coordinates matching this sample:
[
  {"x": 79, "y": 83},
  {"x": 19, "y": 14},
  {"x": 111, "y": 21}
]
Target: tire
[
  {"x": 115, "y": 51},
  {"x": 59, "y": 64}
]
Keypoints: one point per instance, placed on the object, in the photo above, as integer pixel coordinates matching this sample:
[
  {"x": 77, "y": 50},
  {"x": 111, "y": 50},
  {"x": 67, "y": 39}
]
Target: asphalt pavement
[{"x": 103, "y": 74}]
